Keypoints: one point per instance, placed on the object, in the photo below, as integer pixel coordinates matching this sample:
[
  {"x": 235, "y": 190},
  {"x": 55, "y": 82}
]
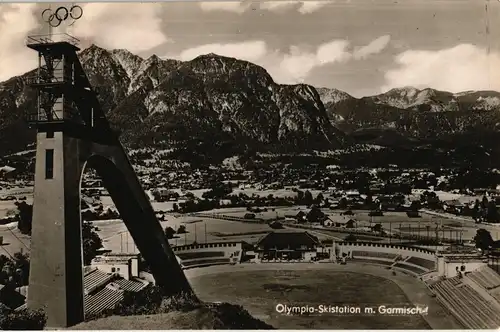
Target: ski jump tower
[{"x": 72, "y": 133}]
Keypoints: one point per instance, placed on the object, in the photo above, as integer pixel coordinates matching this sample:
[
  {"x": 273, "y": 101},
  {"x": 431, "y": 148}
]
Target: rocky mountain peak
[
  {"x": 92, "y": 51},
  {"x": 413, "y": 98},
  {"x": 217, "y": 103},
  {"x": 409, "y": 91},
  {"x": 212, "y": 98},
  {"x": 333, "y": 95},
  {"x": 214, "y": 65}
]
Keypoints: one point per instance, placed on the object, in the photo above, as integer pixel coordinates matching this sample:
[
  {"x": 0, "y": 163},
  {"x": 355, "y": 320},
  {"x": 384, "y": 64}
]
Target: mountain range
[
  {"x": 225, "y": 104},
  {"x": 409, "y": 114}
]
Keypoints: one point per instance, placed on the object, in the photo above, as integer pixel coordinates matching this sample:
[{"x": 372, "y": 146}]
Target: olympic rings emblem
[{"x": 54, "y": 19}]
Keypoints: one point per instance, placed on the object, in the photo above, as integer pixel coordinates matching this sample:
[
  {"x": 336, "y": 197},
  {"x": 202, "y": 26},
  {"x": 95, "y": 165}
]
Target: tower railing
[
  {"x": 54, "y": 79},
  {"x": 45, "y": 77},
  {"x": 52, "y": 38}
]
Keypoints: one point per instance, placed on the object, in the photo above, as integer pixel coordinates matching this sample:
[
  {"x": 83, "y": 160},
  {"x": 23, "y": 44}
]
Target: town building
[
  {"x": 287, "y": 246},
  {"x": 105, "y": 282},
  {"x": 453, "y": 206},
  {"x": 124, "y": 265}
]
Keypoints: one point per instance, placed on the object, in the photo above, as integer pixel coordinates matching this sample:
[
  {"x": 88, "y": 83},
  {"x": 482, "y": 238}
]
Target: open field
[
  {"x": 157, "y": 206},
  {"x": 399, "y": 221},
  {"x": 279, "y": 211},
  {"x": 394, "y": 217},
  {"x": 115, "y": 235},
  {"x": 447, "y": 196},
  {"x": 390, "y": 221},
  {"x": 8, "y": 207},
  {"x": 260, "y": 287},
  {"x": 395, "y": 221}
]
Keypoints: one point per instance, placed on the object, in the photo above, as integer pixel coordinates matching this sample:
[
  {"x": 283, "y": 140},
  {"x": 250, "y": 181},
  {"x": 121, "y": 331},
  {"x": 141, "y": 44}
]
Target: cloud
[
  {"x": 133, "y": 26},
  {"x": 334, "y": 51},
  {"x": 303, "y": 7},
  {"x": 239, "y": 7},
  {"x": 460, "y": 68},
  {"x": 16, "y": 23},
  {"x": 277, "y": 6},
  {"x": 297, "y": 65},
  {"x": 309, "y": 7},
  {"x": 285, "y": 67},
  {"x": 233, "y": 6},
  {"x": 374, "y": 47}
]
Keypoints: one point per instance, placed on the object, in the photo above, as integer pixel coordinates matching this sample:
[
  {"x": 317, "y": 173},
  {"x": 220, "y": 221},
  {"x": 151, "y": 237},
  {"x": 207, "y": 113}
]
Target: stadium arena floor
[{"x": 259, "y": 288}]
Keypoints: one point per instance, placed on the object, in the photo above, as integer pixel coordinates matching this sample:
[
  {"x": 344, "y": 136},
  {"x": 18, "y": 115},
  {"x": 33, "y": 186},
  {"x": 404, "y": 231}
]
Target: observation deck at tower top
[{"x": 62, "y": 41}]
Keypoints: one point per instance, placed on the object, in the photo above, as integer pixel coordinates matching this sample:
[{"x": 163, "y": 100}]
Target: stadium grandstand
[
  {"x": 213, "y": 253},
  {"x": 462, "y": 279}
]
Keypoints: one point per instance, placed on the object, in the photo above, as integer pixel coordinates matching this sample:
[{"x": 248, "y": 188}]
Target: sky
[{"x": 363, "y": 47}]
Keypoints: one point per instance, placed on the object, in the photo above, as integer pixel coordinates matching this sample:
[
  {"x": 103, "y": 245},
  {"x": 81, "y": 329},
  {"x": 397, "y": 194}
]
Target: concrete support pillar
[
  {"x": 56, "y": 271},
  {"x": 56, "y": 276}
]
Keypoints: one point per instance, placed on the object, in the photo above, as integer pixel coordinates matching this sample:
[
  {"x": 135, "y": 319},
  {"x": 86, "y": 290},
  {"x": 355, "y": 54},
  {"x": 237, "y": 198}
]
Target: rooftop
[
  {"x": 106, "y": 298},
  {"x": 110, "y": 290},
  {"x": 130, "y": 285},
  {"x": 95, "y": 279},
  {"x": 111, "y": 295},
  {"x": 288, "y": 238}
]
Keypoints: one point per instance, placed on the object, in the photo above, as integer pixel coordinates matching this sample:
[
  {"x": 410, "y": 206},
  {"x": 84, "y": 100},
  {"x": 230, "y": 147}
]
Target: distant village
[{"x": 382, "y": 189}]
